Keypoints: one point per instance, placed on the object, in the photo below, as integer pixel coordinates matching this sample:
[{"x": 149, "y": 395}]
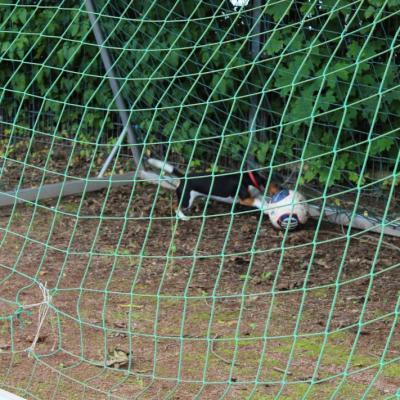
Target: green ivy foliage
[{"x": 325, "y": 79}]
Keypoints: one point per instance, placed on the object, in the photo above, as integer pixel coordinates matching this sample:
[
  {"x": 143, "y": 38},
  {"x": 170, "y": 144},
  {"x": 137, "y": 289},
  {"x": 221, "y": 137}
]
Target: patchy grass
[
  {"x": 335, "y": 351},
  {"x": 392, "y": 370},
  {"x": 183, "y": 326}
]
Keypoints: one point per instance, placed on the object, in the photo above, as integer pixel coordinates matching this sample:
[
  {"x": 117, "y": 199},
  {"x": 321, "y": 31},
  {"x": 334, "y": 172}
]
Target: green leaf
[
  {"x": 169, "y": 128},
  {"x": 173, "y": 58},
  {"x": 341, "y": 161},
  {"x": 369, "y": 12},
  {"x": 312, "y": 150},
  {"x": 327, "y": 137},
  {"x": 215, "y": 81},
  {"x": 353, "y": 49},
  {"x": 68, "y": 51},
  {"x": 343, "y": 70},
  {"x": 262, "y": 151},
  {"x": 60, "y": 56},
  {"x": 309, "y": 174},
  {"x": 353, "y": 176},
  {"x": 278, "y": 9},
  {"x": 5, "y": 46},
  {"x": 22, "y": 15},
  {"x": 148, "y": 96},
  {"x": 75, "y": 28},
  {"x": 329, "y": 177},
  {"x": 325, "y": 102},
  {"x": 273, "y": 46},
  {"x": 205, "y": 54},
  {"x": 301, "y": 108},
  {"x": 382, "y": 144},
  {"x": 19, "y": 82}
]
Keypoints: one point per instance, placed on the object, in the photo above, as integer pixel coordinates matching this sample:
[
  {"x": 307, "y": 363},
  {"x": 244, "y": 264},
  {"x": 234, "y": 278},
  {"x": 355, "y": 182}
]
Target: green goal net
[{"x": 105, "y": 292}]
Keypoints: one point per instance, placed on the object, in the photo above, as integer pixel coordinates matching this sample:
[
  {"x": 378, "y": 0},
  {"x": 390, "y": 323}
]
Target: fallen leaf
[
  {"x": 116, "y": 359},
  {"x": 120, "y": 324},
  {"x": 40, "y": 339}
]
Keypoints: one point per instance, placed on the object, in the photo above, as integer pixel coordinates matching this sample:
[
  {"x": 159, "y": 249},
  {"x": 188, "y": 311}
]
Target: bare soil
[{"x": 216, "y": 307}]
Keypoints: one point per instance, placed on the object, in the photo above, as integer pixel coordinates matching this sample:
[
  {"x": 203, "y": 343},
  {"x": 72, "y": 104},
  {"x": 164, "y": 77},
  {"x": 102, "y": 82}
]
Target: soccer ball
[{"x": 287, "y": 210}]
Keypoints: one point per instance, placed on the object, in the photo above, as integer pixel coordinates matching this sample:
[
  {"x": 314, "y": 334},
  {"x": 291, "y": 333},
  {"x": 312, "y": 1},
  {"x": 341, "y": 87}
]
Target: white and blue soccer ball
[{"x": 287, "y": 209}]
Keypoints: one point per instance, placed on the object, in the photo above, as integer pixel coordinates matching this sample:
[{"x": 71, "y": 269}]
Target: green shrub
[{"x": 325, "y": 78}]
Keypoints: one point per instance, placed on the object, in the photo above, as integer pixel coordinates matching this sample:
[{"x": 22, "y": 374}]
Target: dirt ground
[{"x": 205, "y": 309}]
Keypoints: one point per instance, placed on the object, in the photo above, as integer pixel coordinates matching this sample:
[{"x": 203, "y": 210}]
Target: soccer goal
[{"x": 108, "y": 107}]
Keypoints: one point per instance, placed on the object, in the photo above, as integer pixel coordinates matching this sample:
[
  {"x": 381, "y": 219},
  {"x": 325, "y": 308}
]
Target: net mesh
[{"x": 107, "y": 294}]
